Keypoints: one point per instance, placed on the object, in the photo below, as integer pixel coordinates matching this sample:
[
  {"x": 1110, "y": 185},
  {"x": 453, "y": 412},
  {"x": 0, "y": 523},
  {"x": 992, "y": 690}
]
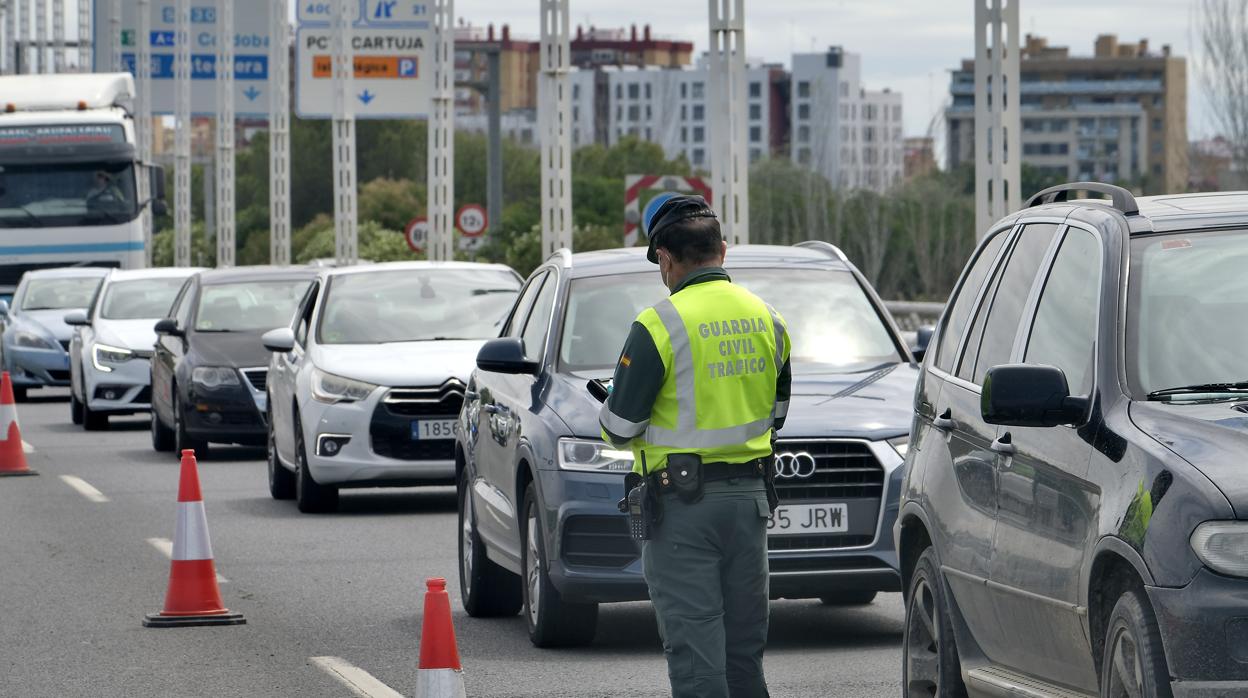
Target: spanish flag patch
[{"x": 625, "y": 361}]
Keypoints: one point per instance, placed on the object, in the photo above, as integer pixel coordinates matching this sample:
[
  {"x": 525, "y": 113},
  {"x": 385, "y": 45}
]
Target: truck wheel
[
  {"x": 1135, "y": 662},
  {"x": 485, "y": 589},
  {"x": 929, "y": 664},
  {"x": 552, "y": 621},
  {"x": 848, "y": 598},
  {"x": 310, "y": 497}
]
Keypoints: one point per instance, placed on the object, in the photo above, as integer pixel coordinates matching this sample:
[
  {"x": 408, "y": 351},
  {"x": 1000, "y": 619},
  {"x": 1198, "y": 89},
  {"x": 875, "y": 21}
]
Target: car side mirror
[
  {"x": 279, "y": 341},
  {"x": 157, "y": 174},
  {"x": 1026, "y": 395},
  {"x": 77, "y": 318},
  {"x": 922, "y": 338},
  {"x": 168, "y": 326},
  {"x": 505, "y": 355},
  {"x": 4, "y": 308}
]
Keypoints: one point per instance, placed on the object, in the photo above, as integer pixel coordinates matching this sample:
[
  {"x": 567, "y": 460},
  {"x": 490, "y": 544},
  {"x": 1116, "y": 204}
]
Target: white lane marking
[
  {"x": 165, "y": 546},
  {"x": 361, "y": 683},
  {"x": 84, "y": 488}
]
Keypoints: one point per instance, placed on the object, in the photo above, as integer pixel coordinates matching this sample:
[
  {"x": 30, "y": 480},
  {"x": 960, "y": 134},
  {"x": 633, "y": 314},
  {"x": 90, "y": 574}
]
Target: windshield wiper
[
  {"x": 1234, "y": 387},
  {"x": 31, "y": 214}
]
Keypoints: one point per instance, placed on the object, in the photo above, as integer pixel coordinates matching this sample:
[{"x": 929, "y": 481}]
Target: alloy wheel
[
  {"x": 923, "y": 643},
  {"x": 1126, "y": 679},
  {"x": 533, "y": 571},
  {"x": 465, "y": 537}
]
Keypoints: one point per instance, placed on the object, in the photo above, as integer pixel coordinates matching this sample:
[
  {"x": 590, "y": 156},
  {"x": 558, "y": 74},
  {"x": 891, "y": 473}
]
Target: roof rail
[
  {"x": 824, "y": 247},
  {"x": 564, "y": 255},
  {"x": 1121, "y": 198}
]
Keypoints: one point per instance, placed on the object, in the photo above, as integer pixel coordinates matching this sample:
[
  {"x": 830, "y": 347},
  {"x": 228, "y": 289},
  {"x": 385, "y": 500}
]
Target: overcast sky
[{"x": 908, "y": 45}]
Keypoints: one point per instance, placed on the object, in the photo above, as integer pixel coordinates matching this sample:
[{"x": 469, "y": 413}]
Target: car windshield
[
  {"x": 55, "y": 293},
  {"x": 249, "y": 306},
  {"x": 832, "y": 325},
  {"x": 412, "y": 305},
  {"x": 1187, "y": 298},
  {"x": 77, "y": 194},
  {"x": 139, "y": 299}
]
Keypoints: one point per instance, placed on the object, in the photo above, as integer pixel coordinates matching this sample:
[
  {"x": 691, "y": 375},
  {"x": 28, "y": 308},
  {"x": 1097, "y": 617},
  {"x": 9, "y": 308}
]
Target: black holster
[
  {"x": 641, "y": 504},
  {"x": 687, "y": 476}
]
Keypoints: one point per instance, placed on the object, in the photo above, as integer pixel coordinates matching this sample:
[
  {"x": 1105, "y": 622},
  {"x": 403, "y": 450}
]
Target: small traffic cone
[
  {"x": 439, "y": 675},
  {"x": 12, "y": 453},
  {"x": 193, "y": 597}
]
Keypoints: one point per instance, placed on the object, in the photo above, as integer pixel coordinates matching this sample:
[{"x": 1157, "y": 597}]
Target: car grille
[
  {"x": 598, "y": 541},
  {"x": 844, "y": 470},
  {"x": 258, "y": 377},
  {"x": 144, "y": 395},
  {"x": 391, "y": 428}
]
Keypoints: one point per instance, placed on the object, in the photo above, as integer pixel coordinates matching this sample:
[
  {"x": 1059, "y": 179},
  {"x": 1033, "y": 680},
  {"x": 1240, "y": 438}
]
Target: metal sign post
[
  {"x": 58, "y": 35},
  {"x": 143, "y": 122},
  {"x": 997, "y": 123},
  {"x": 84, "y": 36},
  {"x": 225, "y": 133},
  {"x": 346, "y": 242},
  {"x": 182, "y": 138},
  {"x": 41, "y": 36},
  {"x": 554, "y": 123},
  {"x": 279, "y": 133},
  {"x": 730, "y": 179},
  {"x": 441, "y": 146}
]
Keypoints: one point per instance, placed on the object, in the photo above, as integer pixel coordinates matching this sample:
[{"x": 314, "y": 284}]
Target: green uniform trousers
[{"x": 706, "y": 567}]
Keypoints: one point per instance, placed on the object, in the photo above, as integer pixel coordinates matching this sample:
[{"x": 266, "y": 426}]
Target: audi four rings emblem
[{"x": 794, "y": 465}]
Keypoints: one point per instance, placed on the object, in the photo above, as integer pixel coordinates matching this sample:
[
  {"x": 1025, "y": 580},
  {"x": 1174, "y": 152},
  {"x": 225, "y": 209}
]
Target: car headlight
[
  {"x": 593, "y": 456},
  {"x": 29, "y": 340},
  {"x": 1223, "y": 546},
  {"x": 103, "y": 354},
  {"x": 900, "y": 444},
  {"x": 327, "y": 387},
  {"x": 214, "y": 376}
]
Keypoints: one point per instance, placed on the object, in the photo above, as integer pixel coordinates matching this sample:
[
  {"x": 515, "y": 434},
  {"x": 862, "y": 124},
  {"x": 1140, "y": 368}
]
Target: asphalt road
[{"x": 77, "y": 575}]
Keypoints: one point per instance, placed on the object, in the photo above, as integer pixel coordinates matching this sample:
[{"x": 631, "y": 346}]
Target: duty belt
[{"x": 719, "y": 471}]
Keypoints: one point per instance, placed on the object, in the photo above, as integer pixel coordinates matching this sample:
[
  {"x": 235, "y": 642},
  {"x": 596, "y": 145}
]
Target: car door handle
[
  {"x": 1004, "y": 445},
  {"x": 945, "y": 422}
]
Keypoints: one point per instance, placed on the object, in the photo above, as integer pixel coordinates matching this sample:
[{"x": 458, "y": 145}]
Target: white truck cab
[{"x": 68, "y": 174}]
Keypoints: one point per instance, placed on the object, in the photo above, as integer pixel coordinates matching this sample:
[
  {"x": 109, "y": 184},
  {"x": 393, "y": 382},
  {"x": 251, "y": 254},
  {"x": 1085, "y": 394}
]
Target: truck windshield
[
  {"x": 832, "y": 325},
  {"x": 1187, "y": 298},
  {"x": 71, "y": 194}
]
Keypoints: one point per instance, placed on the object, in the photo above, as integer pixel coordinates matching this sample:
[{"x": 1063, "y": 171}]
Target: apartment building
[{"x": 1119, "y": 115}]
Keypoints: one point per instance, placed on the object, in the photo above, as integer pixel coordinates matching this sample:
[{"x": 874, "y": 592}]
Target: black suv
[
  {"x": 538, "y": 488},
  {"x": 1074, "y": 516}
]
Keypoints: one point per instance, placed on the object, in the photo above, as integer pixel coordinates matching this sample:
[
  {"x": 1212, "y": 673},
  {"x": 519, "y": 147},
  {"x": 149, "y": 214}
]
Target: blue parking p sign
[{"x": 407, "y": 67}]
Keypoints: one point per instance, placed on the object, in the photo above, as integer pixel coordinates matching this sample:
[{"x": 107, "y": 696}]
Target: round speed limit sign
[
  {"x": 417, "y": 234},
  {"x": 471, "y": 220}
]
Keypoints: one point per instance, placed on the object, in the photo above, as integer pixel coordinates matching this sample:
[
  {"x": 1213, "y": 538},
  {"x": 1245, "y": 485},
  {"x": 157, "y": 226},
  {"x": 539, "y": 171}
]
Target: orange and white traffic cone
[
  {"x": 193, "y": 597},
  {"x": 440, "y": 675},
  {"x": 12, "y": 454}
]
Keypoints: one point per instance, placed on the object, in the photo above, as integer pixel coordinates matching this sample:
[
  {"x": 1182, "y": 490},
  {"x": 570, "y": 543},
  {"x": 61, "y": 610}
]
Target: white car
[
  {"x": 111, "y": 348},
  {"x": 365, "y": 387}
]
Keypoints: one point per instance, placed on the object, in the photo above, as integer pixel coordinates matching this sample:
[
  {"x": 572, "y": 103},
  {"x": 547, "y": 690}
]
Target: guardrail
[{"x": 911, "y": 315}]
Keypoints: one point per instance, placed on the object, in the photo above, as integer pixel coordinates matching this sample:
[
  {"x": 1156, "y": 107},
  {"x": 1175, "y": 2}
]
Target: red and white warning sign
[
  {"x": 634, "y": 185},
  {"x": 417, "y": 234}
]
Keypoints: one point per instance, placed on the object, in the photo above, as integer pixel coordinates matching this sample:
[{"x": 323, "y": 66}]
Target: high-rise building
[
  {"x": 1119, "y": 115},
  {"x": 851, "y": 135}
]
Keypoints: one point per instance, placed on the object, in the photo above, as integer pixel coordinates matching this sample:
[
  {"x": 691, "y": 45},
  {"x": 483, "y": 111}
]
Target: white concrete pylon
[
  {"x": 440, "y": 202},
  {"x": 730, "y": 177},
  {"x": 997, "y": 123},
  {"x": 85, "y": 60},
  {"x": 41, "y": 36},
  {"x": 182, "y": 138},
  {"x": 143, "y": 120},
  {"x": 554, "y": 115},
  {"x": 114, "y": 33},
  {"x": 346, "y": 235},
  {"x": 279, "y": 132},
  {"x": 225, "y": 133},
  {"x": 58, "y": 35}
]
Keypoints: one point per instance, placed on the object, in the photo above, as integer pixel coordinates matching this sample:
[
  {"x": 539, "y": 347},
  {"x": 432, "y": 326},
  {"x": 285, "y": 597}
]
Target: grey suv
[
  {"x": 1074, "y": 515},
  {"x": 539, "y": 526}
]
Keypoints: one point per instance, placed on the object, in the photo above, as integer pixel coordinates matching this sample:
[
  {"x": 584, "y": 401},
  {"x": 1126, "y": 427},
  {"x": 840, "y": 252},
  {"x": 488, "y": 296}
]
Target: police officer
[{"x": 701, "y": 383}]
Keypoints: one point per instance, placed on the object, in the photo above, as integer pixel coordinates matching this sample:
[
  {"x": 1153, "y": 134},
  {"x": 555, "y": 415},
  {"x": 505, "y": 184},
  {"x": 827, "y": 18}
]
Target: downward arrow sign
[
  {"x": 366, "y": 96},
  {"x": 251, "y": 93}
]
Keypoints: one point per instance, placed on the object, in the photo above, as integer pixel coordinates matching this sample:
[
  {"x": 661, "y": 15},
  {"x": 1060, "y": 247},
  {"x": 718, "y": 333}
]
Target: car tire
[
  {"x": 929, "y": 663},
  {"x": 281, "y": 480},
  {"x": 19, "y": 394},
  {"x": 162, "y": 436},
  {"x": 93, "y": 420},
  {"x": 552, "y": 621},
  {"x": 1135, "y": 661},
  {"x": 310, "y": 497},
  {"x": 75, "y": 408},
  {"x": 485, "y": 589},
  {"x": 848, "y": 598},
  {"x": 182, "y": 440}
]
